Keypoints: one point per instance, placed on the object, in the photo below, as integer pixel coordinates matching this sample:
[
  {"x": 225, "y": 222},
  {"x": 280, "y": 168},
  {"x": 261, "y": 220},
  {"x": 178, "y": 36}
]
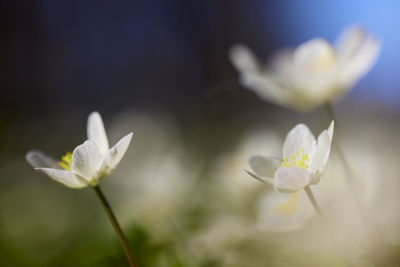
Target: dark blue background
[{"x": 63, "y": 55}]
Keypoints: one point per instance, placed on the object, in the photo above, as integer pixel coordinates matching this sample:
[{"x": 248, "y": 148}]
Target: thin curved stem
[
  {"x": 313, "y": 201},
  {"x": 331, "y": 114},
  {"x": 369, "y": 223},
  {"x": 116, "y": 225},
  {"x": 317, "y": 209}
]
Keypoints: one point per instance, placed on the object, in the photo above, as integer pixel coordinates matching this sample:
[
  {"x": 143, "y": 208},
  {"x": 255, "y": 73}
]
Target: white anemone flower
[
  {"x": 304, "y": 160},
  {"x": 312, "y": 74},
  {"x": 278, "y": 212},
  {"x": 89, "y": 161}
]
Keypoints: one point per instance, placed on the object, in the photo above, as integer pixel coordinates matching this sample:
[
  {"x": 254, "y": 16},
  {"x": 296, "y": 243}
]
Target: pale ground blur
[{"x": 194, "y": 205}]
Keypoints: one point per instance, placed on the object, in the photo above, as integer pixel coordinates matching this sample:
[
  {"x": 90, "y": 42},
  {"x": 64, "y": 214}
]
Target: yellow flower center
[
  {"x": 301, "y": 160},
  {"x": 290, "y": 206},
  {"x": 322, "y": 60},
  {"x": 298, "y": 159},
  {"x": 66, "y": 161},
  {"x": 322, "y": 63}
]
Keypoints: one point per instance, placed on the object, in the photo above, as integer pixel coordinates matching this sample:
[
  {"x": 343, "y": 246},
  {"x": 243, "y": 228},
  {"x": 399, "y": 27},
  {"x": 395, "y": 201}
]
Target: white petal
[
  {"x": 243, "y": 59},
  {"x": 266, "y": 180},
  {"x": 361, "y": 63},
  {"x": 64, "y": 177},
  {"x": 300, "y": 137},
  {"x": 254, "y": 78},
  {"x": 291, "y": 179},
  {"x": 264, "y": 166},
  {"x": 314, "y": 56},
  {"x": 116, "y": 153},
  {"x": 266, "y": 87},
  {"x": 86, "y": 161},
  {"x": 357, "y": 53},
  {"x": 350, "y": 41},
  {"x": 323, "y": 150},
  {"x": 37, "y": 159},
  {"x": 96, "y": 132},
  {"x": 330, "y": 129}
]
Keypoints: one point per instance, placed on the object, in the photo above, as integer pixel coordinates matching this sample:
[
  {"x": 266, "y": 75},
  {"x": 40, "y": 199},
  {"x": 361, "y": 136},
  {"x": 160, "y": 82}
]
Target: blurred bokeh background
[{"x": 161, "y": 70}]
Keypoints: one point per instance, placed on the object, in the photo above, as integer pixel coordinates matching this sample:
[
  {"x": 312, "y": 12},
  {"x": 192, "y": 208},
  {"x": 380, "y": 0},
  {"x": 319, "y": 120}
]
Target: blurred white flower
[
  {"x": 372, "y": 157},
  {"x": 284, "y": 212},
  {"x": 313, "y": 73},
  {"x": 304, "y": 160},
  {"x": 217, "y": 238},
  {"x": 89, "y": 161}
]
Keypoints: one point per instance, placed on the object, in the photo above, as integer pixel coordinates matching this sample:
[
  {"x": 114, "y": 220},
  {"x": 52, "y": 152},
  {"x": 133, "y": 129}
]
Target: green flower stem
[
  {"x": 116, "y": 225},
  {"x": 369, "y": 223},
  {"x": 331, "y": 114},
  {"x": 313, "y": 201}
]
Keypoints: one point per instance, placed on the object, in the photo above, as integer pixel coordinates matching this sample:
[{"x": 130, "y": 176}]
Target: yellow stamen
[
  {"x": 299, "y": 159},
  {"x": 66, "y": 161}
]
